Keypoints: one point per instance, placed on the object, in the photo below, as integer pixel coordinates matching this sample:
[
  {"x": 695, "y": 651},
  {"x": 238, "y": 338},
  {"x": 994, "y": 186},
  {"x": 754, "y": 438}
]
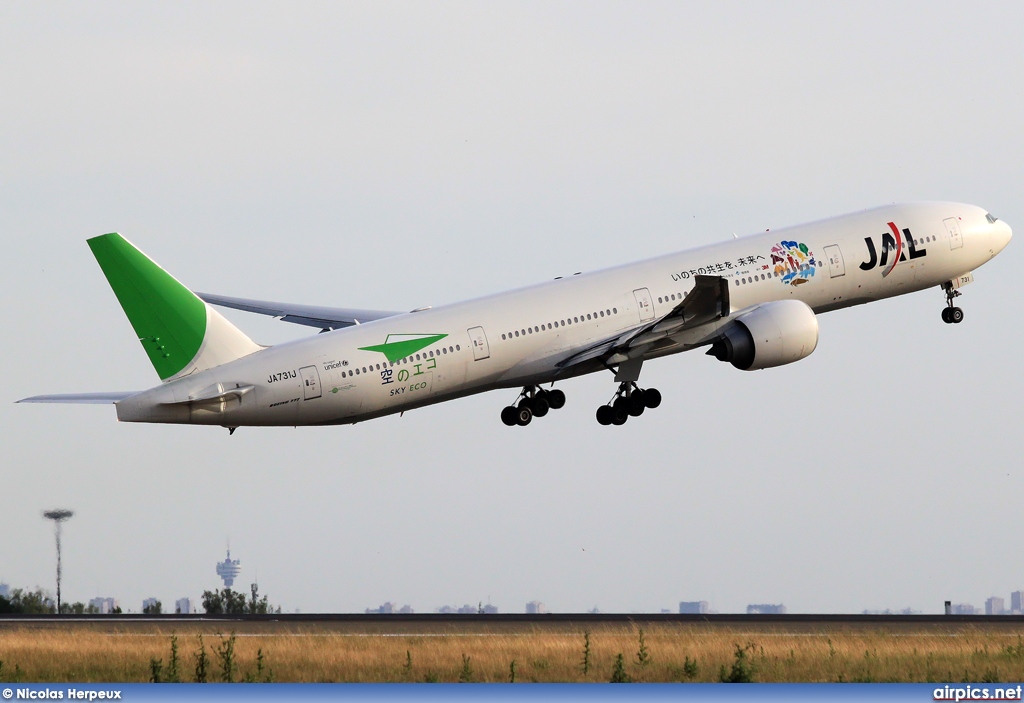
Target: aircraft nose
[{"x": 1001, "y": 235}]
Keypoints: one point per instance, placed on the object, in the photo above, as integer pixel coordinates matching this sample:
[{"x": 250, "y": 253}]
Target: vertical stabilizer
[{"x": 180, "y": 333}]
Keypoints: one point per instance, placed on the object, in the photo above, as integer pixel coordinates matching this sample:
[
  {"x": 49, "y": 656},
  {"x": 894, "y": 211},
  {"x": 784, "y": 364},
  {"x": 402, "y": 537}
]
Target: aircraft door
[
  {"x": 956, "y": 239},
  {"x": 310, "y": 382},
  {"x": 644, "y": 304},
  {"x": 479, "y": 340},
  {"x": 836, "y": 266}
]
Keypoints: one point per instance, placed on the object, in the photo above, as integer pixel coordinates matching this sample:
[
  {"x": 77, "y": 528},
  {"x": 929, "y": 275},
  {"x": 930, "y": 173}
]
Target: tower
[
  {"x": 59, "y": 517},
  {"x": 229, "y": 570}
]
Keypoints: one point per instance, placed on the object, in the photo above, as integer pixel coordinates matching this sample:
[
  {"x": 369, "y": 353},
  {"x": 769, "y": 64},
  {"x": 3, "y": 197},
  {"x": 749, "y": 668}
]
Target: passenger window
[{"x": 458, "y": 348}]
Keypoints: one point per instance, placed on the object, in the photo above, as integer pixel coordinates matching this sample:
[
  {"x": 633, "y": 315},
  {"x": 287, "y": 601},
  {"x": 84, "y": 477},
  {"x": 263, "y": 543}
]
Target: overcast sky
[{"x": 395, "y": 155}]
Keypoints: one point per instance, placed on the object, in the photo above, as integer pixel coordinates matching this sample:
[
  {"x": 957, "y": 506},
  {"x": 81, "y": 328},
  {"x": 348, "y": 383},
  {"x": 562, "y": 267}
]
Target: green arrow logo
[{"x": 399, "y": 346}]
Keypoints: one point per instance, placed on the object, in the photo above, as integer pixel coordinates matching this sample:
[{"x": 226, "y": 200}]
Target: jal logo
[{"x": 899, "y": 244}]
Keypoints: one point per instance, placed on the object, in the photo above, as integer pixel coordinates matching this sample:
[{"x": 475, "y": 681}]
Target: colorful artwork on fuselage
[{"x": 793, "y": 262}]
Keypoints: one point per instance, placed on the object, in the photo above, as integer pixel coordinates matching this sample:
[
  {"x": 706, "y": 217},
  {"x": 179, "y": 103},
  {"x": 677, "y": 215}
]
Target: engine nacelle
[{"x": 770, "y": 335}]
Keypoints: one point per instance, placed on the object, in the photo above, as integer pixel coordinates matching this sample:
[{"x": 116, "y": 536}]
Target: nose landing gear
[
  {"x": 951, "y": 314},
  {"x": 533, "y": 402},
  {"x": 630, "y": 401}
]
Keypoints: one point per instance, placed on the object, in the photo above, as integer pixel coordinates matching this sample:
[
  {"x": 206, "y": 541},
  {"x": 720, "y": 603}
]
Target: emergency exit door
[
  {"x": 644, "y": 304},
  {"x": 479, "y": 341},
  {"x": 836, "y": 267},
  {"x": 310, "y": 382},
  {"x": 956, "y": 239}
]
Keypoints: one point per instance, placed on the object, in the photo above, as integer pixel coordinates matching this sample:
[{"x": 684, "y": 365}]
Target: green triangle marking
[{"x": 399, "y": 346}]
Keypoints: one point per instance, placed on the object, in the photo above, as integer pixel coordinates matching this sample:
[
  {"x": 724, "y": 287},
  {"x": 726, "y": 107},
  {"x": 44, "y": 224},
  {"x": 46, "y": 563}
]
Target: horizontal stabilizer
[
  {"x": 215, "y": 393},
  {"x": 309, "y": 315},
  {"x": 80, "y": 398}
]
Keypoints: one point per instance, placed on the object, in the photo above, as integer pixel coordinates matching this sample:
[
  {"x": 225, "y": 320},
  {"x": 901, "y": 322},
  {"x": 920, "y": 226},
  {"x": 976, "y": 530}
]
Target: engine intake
[{"x": 770, "y": 335}]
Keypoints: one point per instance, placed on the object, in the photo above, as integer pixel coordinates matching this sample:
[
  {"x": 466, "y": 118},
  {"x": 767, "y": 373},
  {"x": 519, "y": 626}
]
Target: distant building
[
  {"x": 964, "y": 609},
  {"x": 535, "y": 607},
  {"x": 104, "y": 606},
  {"x": 452, "y": 610},
  {"x": 766, "y": 609},
  {"x": 229, "y": 570},
  {"x": 5, "y": 590},
  {"x": 489, "y": 609},
  {"x": 890, "y": 611},
  {"x": 1017, "y": 602},
  {"x": 150, "y": 604},
  {"x": 184, "y": 606},
  {"x": 694, "y": 607},
  {"x": 994, "y": 606},
  {"x": 390, "y": 608}
]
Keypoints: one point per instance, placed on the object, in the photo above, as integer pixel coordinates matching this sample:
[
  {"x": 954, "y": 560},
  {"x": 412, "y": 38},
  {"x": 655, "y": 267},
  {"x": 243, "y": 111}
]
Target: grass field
[{"x": 482, "y": 652}]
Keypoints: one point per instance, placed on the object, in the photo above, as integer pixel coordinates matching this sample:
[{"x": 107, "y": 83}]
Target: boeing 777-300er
[{"x": 753, "y": 301}]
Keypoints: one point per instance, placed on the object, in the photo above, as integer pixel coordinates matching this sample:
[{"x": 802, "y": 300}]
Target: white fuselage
[{"x": 518, "y": 337}]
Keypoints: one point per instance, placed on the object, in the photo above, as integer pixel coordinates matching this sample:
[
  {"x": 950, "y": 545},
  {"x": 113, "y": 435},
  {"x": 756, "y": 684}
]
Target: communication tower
[{"x": 229, "y": 570}]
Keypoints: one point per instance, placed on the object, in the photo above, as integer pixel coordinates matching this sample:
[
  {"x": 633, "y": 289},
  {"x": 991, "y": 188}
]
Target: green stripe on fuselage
[
  {"x": 168, "y": 318},
  {"x": 399, "y": 346}
]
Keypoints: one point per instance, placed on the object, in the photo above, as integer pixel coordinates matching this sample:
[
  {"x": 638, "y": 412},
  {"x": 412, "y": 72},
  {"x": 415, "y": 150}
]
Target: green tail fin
[{"x": 179, "y": 332}]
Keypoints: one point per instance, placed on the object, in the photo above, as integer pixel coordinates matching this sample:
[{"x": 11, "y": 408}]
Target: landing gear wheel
[
  {"x": 509, "y": 415},
  {"x": 523, "y": 415},
  {"x": 952, "y": 314},
  {"x": 619, "y": 417},
  {"x": 556, "y": 399},
  {"x": 540, "y": 406},
  {"x": 652, "y": 396},
  {"x": 636, "y": 403},
  {"x": 605, "y": 415}
]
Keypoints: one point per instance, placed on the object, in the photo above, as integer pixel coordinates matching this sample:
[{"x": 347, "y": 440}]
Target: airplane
[{"x": 751, "y": 301}]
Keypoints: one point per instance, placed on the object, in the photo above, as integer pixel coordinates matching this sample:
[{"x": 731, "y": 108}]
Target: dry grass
[{"x": 121, "y": 652}]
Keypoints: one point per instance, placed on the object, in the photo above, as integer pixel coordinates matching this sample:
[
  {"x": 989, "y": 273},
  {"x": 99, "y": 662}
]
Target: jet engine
[{"x": 770, "y": 335}]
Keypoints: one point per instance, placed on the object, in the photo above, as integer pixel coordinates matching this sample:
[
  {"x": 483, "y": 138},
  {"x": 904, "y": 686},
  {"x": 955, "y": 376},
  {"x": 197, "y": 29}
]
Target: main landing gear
[
  {"x": 630, "y": 400},
  {"x": 533, "y": 402},
  {"x": 952, "y": 314}
]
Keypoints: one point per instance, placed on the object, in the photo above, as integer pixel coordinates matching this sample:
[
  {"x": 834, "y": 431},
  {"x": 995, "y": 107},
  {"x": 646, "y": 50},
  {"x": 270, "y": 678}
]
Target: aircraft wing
[
  {"x": 80, "y": 398},
  {"x": 310, "y": 315},
  {"x": 706, "y": 302}
]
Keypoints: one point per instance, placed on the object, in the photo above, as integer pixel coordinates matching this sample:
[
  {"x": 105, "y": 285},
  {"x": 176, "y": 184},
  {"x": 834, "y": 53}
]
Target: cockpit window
[{"x": 991, "y": 220}]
